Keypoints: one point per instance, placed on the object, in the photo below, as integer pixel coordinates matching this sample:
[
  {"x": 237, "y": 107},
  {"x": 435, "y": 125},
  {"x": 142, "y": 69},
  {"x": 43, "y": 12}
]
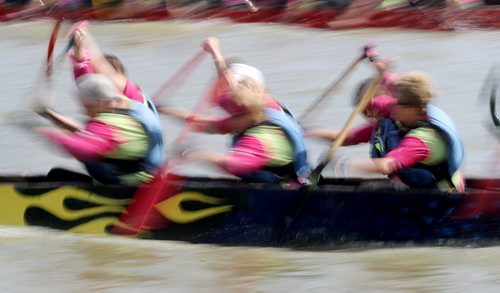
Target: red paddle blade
[
  {"x": 51, "y": 46},
  {"x": 141, "y": 214}
]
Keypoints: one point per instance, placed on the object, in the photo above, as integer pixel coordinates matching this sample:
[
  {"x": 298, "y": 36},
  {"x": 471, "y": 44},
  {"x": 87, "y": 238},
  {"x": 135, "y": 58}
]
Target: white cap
[{"x": 241, "y": 71}]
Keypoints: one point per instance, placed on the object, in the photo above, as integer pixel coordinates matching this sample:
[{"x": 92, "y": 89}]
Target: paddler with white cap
[{"x": 268, "y": 145}]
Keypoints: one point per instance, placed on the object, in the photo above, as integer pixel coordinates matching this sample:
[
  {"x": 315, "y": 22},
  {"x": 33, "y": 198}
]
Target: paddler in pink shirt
[
  {"x": 122, "y": 141},
  {"x": 267, "y": 145},
  {"x": 222, "y": 93},
  {"x": 430, "y": 154},
  {"x": 87, "y": 59},
  {"x": 378, "y": 108}
]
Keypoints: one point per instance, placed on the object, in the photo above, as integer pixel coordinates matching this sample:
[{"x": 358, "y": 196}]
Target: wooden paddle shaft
[
  {"x": 180, "y": 75},
  {"x": 333, "y": 86},
  {"x": 363, "y": 102}
]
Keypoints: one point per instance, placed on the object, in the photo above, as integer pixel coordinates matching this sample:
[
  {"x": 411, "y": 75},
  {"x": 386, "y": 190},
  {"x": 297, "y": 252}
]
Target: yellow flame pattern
[
  {"x": 15, "y": 204},
  {"x": 171, "y": 208}
]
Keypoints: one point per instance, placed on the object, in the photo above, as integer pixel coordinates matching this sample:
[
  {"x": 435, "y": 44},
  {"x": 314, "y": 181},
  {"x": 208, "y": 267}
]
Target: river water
[{"x": 298, "y": 63}]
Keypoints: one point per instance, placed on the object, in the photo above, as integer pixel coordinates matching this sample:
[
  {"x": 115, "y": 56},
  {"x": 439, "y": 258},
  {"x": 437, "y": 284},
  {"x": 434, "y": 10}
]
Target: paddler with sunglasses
[{"x": 431, "y": 153}]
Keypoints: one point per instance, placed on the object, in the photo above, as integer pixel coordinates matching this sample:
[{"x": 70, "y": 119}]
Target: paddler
[
  {"x": 87, "y": 59},
  {"x": 268, "y": 145},
  {"x": 378, "y": 108},
  {"x": 122, "y": 141},
  {"x": 430, "y": 154}
]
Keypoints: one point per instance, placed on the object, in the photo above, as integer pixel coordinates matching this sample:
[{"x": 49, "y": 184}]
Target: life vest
[
  {"x": 294, "y": 133},
  {"x": 154, "y": 154},
  {"x": 134, "y": 92},
  {"x": 455, "y": 155},
  {"x": 388, "y": 135},
  {"x": 149, "y": 103},
  {"x": 154, "y": 129}
]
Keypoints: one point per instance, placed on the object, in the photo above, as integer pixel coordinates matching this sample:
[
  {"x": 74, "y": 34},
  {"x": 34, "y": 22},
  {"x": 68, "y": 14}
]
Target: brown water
[{"x": 298, "y": 64}]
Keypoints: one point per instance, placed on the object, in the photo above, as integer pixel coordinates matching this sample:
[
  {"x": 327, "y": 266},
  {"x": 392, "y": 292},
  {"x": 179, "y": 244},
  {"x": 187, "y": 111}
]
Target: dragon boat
[{"x": 229, "y": 212}]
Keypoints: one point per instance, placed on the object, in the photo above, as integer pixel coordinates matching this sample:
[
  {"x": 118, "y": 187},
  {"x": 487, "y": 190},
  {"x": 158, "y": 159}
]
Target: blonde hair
[
  {"x": 414, "y": 89},
  {"x": 250, "y": 95}
]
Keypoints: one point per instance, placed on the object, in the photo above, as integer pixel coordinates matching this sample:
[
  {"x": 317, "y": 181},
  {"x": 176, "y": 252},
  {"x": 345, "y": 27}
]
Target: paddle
[
  {"x": 493, "y": 100},
  {"x": 140, "y": 214},
  {"x": 480, "y": 201},
  {"x": 50, "y": 63},
  {"x": 489, "y": 90},
  {"x": 363, "y": 102},
  {"x": 45, "y": 77},
  {"x": 369, "y": 51},
  {"x": 180, "y": 76},
  {"x": 250, "y": 5},
  {"x": 305, "y": 192}
]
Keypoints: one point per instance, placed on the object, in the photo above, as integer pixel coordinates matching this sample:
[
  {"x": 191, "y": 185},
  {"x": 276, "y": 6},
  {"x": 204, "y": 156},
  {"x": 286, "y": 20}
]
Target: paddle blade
[
  {"x": 141, "y": 214},
  {"x": 51, "y": 46},
  {"x": 489, "y": 91},
  {"x": 316, "y": 173},
  {"x": 493, "y": 101}
]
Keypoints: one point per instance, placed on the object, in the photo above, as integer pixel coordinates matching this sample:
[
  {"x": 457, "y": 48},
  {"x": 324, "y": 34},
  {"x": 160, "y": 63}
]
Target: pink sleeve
[
  {"x": 90, "y": 144},
  {"x": 221, "y": 125},
  {"x": 361, "y": 134},
  {"x": 410, "y": 151},
  {"x": 248, "y": 155},
  {"x": 133, "y": 92},
  {"x": 81, "y": 67}
]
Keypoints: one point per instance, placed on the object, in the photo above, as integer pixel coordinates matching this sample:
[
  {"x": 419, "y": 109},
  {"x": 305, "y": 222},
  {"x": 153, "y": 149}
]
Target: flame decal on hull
[
  {"x": 171, "y": 208},
  {"x": 53, "y": 202}
]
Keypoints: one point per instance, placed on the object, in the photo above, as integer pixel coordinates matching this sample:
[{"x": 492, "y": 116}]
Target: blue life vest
[
  {"x": 386, "y": 136},
  {"x": 287, "y": 110},
  {"x": 440, "y": 120},
  {"x": 153, "y": 127},
  {"x": 150, "y": 104},
  {"x": 294, "y": 134}
]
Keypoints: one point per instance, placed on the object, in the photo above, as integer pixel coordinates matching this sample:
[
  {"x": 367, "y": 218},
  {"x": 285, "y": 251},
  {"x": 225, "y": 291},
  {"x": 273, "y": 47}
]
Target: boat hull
[{"x": 232, "y": 213}]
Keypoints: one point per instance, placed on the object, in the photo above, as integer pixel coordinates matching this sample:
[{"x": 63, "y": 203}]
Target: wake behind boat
[{"x": 229, "y": 212}]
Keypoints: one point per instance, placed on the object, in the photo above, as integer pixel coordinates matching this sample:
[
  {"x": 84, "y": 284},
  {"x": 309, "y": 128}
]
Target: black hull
[{"x": 224, "y": 212}]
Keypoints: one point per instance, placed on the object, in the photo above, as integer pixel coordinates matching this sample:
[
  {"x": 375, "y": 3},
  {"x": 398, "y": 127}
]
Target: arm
[
  {"x": 85, "y": 145},
  {"x": 80, "y": 57},
  {"x": 176, "y": 113},
  {"x": 61, "y": 120},
  {"x": 247, "y": 156},
  {"x": 227, "y": 80},
  {"x": 330, "y": 135},
  {"x": 197, "y": 122},
  {"x": 234, "y": 124},
  {"x": 355, "y": 136},
  {"x": 410, "y": 151},
  {"x": 99, "y": 63}
]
